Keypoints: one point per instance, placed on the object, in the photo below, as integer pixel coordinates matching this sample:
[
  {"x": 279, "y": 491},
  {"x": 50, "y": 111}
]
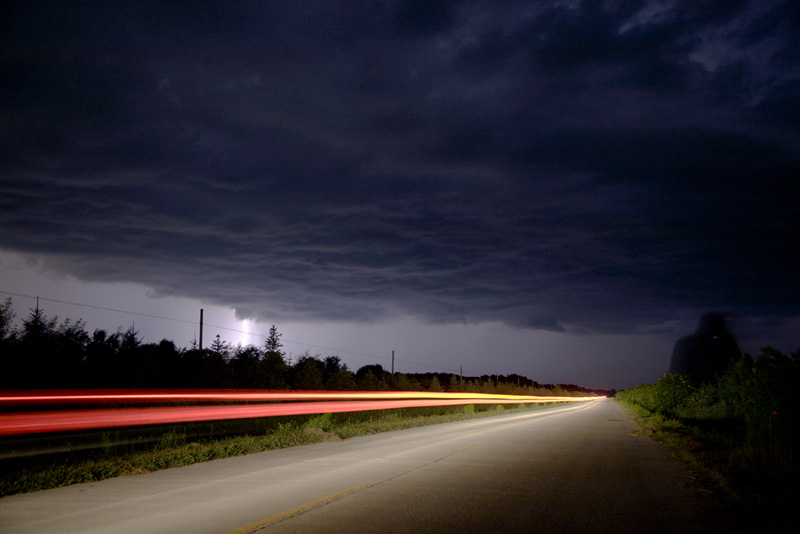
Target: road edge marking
[
  {"x": 473, "y": 445},
  {"x": 294, "y": 511}
]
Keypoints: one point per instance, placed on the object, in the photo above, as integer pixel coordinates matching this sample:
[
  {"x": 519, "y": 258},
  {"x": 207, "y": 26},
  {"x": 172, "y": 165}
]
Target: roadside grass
[
  {"x": 745, "y": 479},
  {"x": 704, "y": 455},
  {"x": 178, "y": 446}
]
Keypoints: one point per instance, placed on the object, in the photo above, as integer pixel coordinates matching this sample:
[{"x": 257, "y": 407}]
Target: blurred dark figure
[{"x": 706, "y": 354}]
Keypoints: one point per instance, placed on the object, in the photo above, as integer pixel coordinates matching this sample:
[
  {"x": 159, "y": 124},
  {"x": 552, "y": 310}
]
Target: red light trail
[
  {"x": 101, "y": 396},
  {"x": 334, "y": 402}
]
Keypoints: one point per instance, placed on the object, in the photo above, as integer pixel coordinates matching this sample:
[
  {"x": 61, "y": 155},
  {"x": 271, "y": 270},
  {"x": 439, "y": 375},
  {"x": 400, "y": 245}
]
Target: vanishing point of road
[{"x": 575, "y": 468}]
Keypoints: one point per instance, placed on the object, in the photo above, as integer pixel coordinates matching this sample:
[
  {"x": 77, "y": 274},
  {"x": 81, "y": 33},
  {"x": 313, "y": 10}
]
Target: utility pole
[
  {"x": 392, "y": 363},
  {"x": 201, "y": 329}
]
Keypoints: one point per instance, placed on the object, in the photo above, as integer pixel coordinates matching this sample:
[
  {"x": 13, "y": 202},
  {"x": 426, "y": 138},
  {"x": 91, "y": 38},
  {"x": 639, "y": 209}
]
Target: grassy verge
[
  {"x": 724, "y": 465},
  {"x": 178, "y": 447},
  {"x": 704, "y": 458}
]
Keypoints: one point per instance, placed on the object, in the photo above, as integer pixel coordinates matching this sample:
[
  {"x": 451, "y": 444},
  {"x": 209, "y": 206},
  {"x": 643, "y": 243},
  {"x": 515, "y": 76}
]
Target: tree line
[{"x": 47, "y": 354}]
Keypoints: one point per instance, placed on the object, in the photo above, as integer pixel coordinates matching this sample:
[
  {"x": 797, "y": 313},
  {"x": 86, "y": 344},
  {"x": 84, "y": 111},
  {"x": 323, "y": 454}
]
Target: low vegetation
[
  {"x": 740, "y": 435},
  {"x": 180, "y": 445}
]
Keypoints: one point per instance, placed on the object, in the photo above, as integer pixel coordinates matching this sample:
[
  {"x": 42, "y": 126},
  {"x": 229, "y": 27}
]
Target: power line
[
  {"x": 98, "y": 307},
  {"x": 103, "y": 308}
]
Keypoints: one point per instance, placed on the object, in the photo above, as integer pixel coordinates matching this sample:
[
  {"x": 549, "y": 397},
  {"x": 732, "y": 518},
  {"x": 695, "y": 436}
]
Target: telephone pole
[{"x": 201, "y": 329}]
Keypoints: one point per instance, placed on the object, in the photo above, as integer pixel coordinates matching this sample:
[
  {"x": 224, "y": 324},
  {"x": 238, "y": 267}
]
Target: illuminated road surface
[{"x": 565, "y": 469}]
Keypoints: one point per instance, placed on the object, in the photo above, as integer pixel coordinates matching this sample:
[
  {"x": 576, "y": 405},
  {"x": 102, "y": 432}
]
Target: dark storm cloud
[{"x": 597, "y": 165}]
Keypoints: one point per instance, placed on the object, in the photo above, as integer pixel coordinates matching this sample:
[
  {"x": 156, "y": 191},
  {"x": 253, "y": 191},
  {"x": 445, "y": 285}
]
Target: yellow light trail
[
  {"x": 38, "y": 397},
  {"x": 21, "y": 420}
]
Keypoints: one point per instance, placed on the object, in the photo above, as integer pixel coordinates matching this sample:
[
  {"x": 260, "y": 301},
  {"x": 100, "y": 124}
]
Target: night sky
[{"x": 556, "y": 189}]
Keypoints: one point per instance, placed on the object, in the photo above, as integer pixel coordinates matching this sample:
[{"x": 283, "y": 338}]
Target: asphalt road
[{"x": 566, "y": 469}]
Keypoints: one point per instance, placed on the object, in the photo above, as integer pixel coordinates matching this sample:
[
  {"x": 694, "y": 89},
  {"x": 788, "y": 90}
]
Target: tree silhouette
[
  {"x": 37, "y": 363},
  {"x": 308, "y": 373},
  {"x": 274, "y": 367},
  {"x": 37, "y": 328},
  {"x": 435, "y": 385},
  {"x": 220, "y": 347},
  {"x": 337, "y": 376},
  {"x": 246, "y": 369},
  {"x": 402, "y": 382},
  {"x": 103, "y": 367},
  {"x": 273, "y": 345},
  {"x": 131, "y": 339},
  {"x": 69, "y": 342},
  {"x": 372, "y": 378}
]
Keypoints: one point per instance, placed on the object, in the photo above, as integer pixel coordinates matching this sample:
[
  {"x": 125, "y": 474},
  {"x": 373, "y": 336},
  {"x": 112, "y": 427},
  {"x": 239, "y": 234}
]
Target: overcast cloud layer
[{"x": 588, "y": 166}]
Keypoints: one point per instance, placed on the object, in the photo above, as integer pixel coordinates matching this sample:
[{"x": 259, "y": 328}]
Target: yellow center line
[
  {"x": 294, "y": 511},
  {"x": 474, "y": 444}
]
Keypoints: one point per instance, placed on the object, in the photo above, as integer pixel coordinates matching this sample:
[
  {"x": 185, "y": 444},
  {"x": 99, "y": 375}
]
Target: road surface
[{"x": 573, "y": 468}]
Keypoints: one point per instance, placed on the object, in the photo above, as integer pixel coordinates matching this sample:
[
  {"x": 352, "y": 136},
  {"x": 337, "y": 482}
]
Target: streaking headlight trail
[{"x": 266, "y": 404}]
